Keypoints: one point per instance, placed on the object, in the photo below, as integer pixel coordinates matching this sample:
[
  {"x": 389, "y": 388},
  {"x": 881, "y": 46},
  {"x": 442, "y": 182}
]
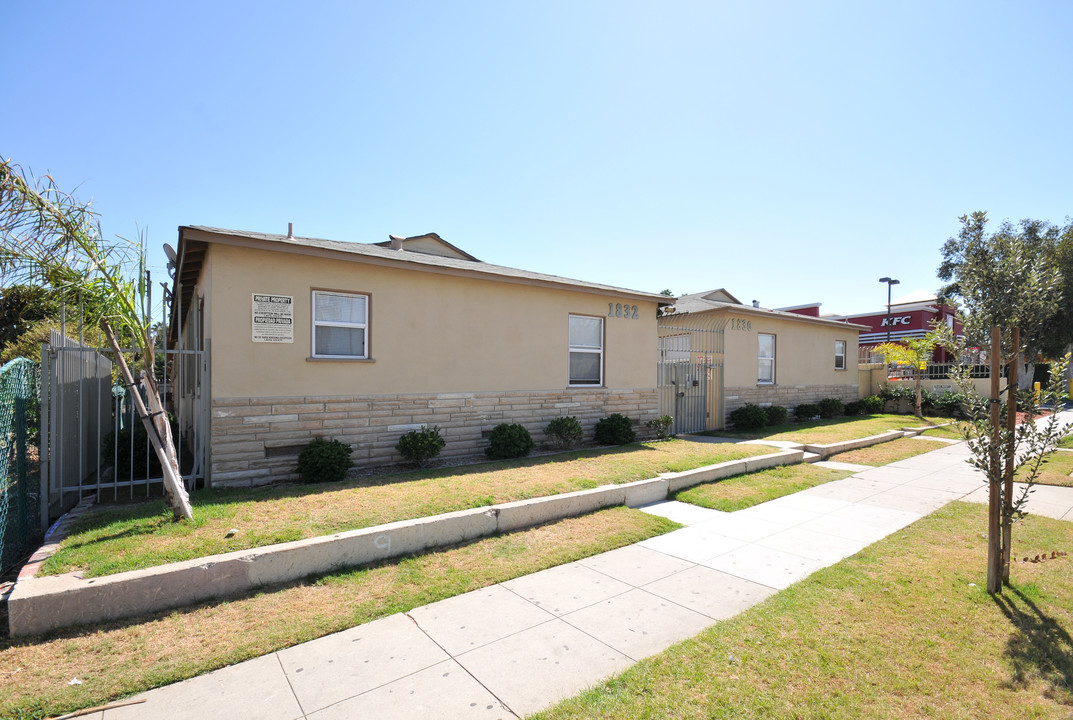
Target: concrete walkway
[{"x": 520, "y": 646}]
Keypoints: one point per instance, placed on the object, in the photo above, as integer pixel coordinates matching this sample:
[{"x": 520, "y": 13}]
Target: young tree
[
  {"x": 1009, "y": 278},
  {"x": 48, "y": 237},
  {"x": 915, "y": 353},
  {"x": 1000, "y": 447}
]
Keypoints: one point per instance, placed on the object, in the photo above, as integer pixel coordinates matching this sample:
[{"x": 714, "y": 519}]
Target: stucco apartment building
[
  {"x": 756, "y": 355},
  {"x": 363, "y": 342}
]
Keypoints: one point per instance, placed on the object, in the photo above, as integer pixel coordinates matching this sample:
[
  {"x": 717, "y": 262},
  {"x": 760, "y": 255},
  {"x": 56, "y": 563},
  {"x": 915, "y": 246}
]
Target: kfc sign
[{"x": 902, "y": 320}]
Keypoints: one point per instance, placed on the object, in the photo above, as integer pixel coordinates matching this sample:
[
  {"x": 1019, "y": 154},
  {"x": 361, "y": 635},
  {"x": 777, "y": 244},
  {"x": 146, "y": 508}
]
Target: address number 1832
[{"x": 622, "y": 311}]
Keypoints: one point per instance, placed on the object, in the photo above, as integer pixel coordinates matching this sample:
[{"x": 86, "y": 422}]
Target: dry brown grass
[
  {"x": 744, "y": 491},
  {"x": 118, "y": 659},
  {"x": 133, "y": 536},
  {"x": 888, "y": 452}
]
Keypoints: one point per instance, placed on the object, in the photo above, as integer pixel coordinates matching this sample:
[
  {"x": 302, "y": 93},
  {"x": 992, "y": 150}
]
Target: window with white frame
[
  {"x": 840, "y": 354},
  {"x": 340, "y": 325},
  {"x": 586, "y": 350},
  {"x": 765, "y": 359}
]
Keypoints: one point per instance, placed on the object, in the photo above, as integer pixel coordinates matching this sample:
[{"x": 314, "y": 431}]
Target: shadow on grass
[{"x": 1039, "y": 645}]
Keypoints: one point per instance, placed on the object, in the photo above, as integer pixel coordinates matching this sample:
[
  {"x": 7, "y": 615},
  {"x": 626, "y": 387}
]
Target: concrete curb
[{"x": 826, "y": 451}]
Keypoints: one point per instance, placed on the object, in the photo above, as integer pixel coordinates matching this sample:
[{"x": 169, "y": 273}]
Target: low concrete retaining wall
[
  {"x": 40, "y": 604},
  {"x": 826, "y": 451},
  {"x": 708, "y": 473}
]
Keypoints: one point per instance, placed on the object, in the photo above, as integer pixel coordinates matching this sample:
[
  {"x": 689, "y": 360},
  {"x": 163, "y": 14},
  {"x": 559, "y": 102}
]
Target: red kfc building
[{"x": 912, "y": 316}]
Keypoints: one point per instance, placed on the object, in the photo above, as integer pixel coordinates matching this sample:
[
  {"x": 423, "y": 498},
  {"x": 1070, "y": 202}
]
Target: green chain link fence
[{"x": 20, "y": 525}]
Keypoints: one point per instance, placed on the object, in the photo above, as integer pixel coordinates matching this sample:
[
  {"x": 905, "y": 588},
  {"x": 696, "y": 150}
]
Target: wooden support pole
[
  {"x": 173, "y": 484},
  {"x": 994, "y": 475},
  {"x": 1007, "y": 475}
]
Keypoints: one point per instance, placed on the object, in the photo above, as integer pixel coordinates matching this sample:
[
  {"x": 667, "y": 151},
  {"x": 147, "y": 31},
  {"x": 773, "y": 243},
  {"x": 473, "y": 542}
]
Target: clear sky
[{"x": 790, "y": 152}]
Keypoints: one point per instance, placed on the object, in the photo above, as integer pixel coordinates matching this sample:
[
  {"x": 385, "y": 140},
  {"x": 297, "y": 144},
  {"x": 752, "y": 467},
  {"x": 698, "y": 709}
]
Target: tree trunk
[
  {"x": 994, "y": 476},
  {"x": 918, "y": 406},
  {"x": 1007, "y": 475},
  {"x": 1028, "y": 372},
  {"x": 174, "y": 490}
]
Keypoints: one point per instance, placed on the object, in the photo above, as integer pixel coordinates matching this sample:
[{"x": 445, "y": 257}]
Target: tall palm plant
[{"x": 49, "y": 237}]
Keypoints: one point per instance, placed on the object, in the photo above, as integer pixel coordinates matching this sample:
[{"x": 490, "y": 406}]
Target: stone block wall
[
  {"x": 788, "y": 396},
  {"x": 257, "y": 440}
]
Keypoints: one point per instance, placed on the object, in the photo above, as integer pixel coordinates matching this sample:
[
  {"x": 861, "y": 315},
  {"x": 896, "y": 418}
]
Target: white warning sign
[{"x": 273, "y": 318}]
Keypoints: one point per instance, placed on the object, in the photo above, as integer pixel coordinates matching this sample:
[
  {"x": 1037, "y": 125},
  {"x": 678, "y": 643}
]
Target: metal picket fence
[{"x": 20, "y": 526}]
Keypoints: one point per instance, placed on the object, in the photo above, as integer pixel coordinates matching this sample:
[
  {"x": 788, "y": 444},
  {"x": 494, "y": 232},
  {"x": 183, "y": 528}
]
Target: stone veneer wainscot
[
  {"x": 256, "y": 440},
  {"x": 789, "y": 396}
]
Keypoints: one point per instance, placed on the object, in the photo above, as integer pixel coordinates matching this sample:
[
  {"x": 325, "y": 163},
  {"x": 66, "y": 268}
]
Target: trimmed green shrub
[
  {"x": 897, "y": 391},
  {"x": 324, "y": 461},
  {"x": 748, "y": 417},
  {"x": 661, "y": 426},
  {"x": 806, "y": 411},
  {"x": 871, "y": 405},
  {"x": 830, "y": 407},
  {"x": 509, "y": 441},
  {"x": 564, "y": 432},
  {"x": 945, "y": 405},
  {"x": 776, "y": 414},
  {"x": 615, "y": 429},
  {"x": 420, "y": 446}
]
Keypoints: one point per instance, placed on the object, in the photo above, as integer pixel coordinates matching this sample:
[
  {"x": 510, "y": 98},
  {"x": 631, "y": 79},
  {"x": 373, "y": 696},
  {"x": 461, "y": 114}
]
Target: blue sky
[{"x": 791, "y": 152}]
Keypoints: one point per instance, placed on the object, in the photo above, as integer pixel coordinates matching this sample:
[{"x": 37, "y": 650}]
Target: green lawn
[
  {"x": 888, "y": 452},
  {"x": 832, "y": 430},
  {"x": 131, "y": 536},
  {"x": 903, "y": 629},
  {"x": 950, "y": 431},
  {"x": 118, "y": 659},
  {"x": 743, "y": 491},
  {"x": 1056, "y": 470},
  {"x": 1067, "y": 441}
]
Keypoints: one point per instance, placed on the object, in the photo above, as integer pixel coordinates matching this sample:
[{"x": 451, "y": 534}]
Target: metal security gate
[
  {"x": 691, "y": 393},
  {"x": 92, "y": 441},
  {"x": 690, "y": 372}
]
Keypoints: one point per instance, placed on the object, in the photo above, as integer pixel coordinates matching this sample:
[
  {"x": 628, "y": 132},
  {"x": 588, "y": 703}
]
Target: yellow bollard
[{"x": 1035, "y": 392}]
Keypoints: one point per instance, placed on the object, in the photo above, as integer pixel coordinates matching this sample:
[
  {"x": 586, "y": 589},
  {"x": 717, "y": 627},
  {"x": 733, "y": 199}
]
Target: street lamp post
[{"x": 890, "y": 282}]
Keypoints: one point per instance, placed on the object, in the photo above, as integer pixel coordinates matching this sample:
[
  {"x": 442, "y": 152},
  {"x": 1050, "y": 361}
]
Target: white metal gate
[{"x": 690, "y": 372}]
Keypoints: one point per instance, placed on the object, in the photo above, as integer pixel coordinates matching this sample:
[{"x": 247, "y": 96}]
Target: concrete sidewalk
[{"x": 520, "y": 646}]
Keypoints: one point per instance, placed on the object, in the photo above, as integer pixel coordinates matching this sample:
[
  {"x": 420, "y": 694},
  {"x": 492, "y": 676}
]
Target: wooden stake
[
  {"x": 173, "y": 485},
  {"x": 1007, "y": 476},
  {"x": 994, "y": 476}
]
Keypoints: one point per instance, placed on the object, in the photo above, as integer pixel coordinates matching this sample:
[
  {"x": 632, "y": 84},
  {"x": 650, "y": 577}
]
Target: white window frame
[
  {"x": 762, "y": 360},
  {"x": 363, "y": 326},
  {"x": 583, "y": 349},
  {"x": 841, "y": 355}
]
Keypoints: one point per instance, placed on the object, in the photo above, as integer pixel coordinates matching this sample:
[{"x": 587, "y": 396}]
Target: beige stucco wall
[
  {"x": 428, "y": 333},
  {"x": 804, "y": 351}
]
